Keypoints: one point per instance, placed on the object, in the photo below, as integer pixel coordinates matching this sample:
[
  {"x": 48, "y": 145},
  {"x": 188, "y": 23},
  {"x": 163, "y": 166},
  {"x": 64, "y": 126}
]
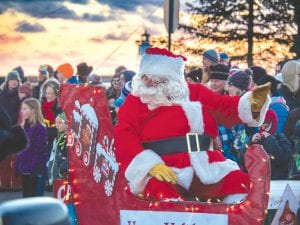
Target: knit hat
[
  {"x": 257, "y": 72},
  {"x": 62, "y": 116},
  {"x": 233, "y": 70},
  {"x": 94, "y": 79},
  {"x": 223, "y": 56},
  {"x": 291, "y": 75},
  {"x": 212, "y": 55},
  {"x": 219, "y": 72},
  {"x": 126, "y": 89},
  {"x": 13, "y": 75},
  {"x": 26, "y": 89},
  {"x": 163, "y": 63},
  {"x": 240, "y": 79},
  {"x": 128, "y": 74},
  {"x": 272, "y": 121},
  {"x": 66, "y": 70},
  {"x": 83, "y": 69}
]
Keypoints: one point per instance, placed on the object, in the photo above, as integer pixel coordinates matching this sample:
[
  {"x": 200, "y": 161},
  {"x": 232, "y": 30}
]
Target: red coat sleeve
[{"x": 223, "y": 108}]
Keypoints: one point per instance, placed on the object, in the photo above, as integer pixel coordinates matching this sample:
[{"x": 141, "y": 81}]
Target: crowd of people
[{"x": 37, "y": 110}]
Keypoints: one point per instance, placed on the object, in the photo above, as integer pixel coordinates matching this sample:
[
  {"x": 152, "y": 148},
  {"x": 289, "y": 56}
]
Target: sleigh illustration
[{"x": 100, "y": 192}]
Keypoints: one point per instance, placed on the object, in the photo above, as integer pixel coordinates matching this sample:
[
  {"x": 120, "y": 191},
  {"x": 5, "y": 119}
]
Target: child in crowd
[
  {"x": 58, "y": 161},
  {"x": 31, "y": 162},
  {"x": 277, "y": 146}
]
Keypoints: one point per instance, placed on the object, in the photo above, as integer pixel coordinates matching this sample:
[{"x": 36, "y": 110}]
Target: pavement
[{"x": 11, "y": 195}]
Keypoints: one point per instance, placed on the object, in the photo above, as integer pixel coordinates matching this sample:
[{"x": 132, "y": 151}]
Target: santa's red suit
[{"x": 205, "y": 173}]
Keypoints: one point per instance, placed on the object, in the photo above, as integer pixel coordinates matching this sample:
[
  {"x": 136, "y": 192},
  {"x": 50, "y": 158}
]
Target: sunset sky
[{"x": 101, "y": 33}]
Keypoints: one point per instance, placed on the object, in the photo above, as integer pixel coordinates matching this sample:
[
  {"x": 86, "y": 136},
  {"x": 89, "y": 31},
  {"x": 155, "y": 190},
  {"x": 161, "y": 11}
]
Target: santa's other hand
[
  {"x": 259, "y": 97},
  {"x": 163, "y": 173}
]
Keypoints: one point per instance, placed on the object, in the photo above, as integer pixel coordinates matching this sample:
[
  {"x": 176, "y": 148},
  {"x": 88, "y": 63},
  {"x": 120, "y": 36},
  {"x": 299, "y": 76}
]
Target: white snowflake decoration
[
  {"x": 97, "y": 174},
  {"x": 108, "y": 188}
]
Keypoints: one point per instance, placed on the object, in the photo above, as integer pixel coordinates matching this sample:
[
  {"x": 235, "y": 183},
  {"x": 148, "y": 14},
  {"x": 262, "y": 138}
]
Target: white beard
[{"x": 164, "y": 94}]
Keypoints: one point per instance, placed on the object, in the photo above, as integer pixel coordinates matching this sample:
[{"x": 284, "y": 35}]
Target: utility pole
[{"x": 171, "y": 18}]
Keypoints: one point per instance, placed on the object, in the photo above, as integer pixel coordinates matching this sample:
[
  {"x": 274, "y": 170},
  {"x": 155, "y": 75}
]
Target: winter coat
[
  {"x": 32, "y": 160},
  {"x": 292, "y": 99},
  {"x": 12, "y": 137},
  {"x": 10, "y": 101},
  {"x": 293, "y": 117},
  {"x": 282, "y": 112},
  {"x": 58, "y": 162},
  {"x": 279, "y": 149}
]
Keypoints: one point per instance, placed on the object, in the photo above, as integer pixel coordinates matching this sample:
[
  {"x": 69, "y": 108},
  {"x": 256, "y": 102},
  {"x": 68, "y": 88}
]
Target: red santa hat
[{"x": 163, "y": 63}]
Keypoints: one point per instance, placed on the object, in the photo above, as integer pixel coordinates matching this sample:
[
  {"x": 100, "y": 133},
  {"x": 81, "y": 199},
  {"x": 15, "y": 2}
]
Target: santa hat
[{"x": 162, "y": 63}]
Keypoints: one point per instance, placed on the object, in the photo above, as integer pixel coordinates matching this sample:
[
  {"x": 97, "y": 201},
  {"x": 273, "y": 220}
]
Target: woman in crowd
[{"x": 31, "y": 162}]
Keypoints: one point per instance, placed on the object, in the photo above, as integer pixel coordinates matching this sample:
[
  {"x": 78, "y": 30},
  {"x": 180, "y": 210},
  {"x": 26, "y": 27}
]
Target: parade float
[{"x": 101, "y": 195}]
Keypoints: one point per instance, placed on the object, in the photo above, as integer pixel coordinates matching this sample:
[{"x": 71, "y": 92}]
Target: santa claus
[{"x": 163, "y": 138}]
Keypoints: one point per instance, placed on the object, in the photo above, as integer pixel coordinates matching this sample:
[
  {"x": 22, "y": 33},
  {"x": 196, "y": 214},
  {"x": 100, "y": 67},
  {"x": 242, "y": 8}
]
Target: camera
[{"x": 43, "y": 72}]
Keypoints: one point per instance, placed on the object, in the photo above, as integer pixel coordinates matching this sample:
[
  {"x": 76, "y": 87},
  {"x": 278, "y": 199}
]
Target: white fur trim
[
  {"x": 184, "y": 176},
  {"x": 193, "y": 112},
  {"x": 245, "y": 113},
  {"x": 137, "y": 171},
  {"x": 234, "y": 198},
  {"x": 210, "y": 173},
  {"x": 162, "y": 66}
]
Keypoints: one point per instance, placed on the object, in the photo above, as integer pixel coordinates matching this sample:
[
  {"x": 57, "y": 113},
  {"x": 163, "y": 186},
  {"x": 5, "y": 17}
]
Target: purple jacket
[{"x": 33, "y": 158}]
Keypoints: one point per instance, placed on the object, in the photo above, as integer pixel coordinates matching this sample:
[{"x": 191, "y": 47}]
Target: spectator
[
  {"x": 224, "y": 59},
  {"x": 295, "y": 164},
  {"x": 9, "y": 98},
  {"x": 195, "y": 76},
  {"x": 20, "y": 71},
  {"x": 50, "y": 106},
  {"x": 25, "y": 92},
  {"x": 94, "y": 79},
  {"x": 83, "y": 70},
  {"x": 58, "y": 161},
  {"x": 31, "y": 162},
  {"x": 45, "y": 72},
  {"x": 277, "y": 146},
  {"x": 218, "y": 78},
  {"x": 210, "y": 58},
  {"x": 290, "y": 88},
  {"x": 293, "y": 117},
  {"x": 64, "y": 72}
]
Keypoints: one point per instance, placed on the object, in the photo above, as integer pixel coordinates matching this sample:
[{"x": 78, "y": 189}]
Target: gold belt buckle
[{"x": 188, "y": 140}]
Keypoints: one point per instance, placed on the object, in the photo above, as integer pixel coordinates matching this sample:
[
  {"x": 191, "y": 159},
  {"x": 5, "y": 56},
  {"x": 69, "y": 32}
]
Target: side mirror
[{"x": 34, "y": 211}]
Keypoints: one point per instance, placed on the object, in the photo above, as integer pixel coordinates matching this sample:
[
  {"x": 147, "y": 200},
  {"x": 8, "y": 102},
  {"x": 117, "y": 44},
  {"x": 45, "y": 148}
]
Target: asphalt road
[{"x": 6, "y": 196}]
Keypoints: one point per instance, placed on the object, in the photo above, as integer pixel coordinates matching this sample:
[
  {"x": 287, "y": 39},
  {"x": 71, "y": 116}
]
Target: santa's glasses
[{"x": 153, "y": 81}]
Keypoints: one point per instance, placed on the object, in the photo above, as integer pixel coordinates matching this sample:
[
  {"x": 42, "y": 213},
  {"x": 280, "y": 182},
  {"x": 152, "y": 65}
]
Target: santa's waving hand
[{"x": 163, "y": 138}]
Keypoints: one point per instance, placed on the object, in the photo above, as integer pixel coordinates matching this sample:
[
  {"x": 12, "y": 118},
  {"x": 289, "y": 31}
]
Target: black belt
[{"x": 192, "y": 142}]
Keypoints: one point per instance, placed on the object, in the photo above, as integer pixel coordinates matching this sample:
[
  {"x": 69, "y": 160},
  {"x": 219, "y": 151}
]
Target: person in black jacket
[
  {"x": 277, "y": 146},
  {"x": 9, "y": 98},
  {"x": 12, "y": 137}
]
